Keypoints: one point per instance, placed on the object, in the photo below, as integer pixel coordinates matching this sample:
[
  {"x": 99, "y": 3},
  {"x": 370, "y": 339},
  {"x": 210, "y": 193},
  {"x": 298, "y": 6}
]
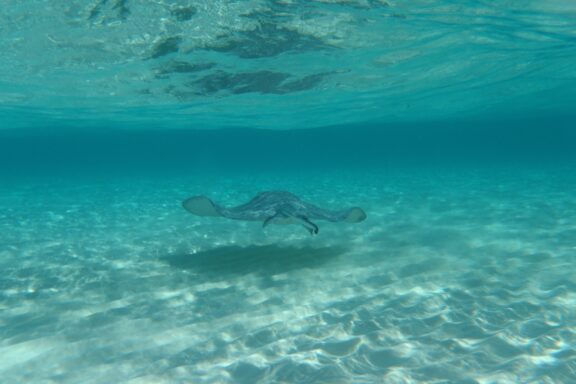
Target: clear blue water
[{"x": 450, "y": 123}]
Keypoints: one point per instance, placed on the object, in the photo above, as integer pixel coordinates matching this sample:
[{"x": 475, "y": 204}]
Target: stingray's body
[{"x": 277, "y": 207}]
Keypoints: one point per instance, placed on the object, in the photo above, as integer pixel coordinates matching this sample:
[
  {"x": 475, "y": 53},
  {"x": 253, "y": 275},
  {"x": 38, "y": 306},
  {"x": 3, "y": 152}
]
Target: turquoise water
[{"x": 451, "y": 124}]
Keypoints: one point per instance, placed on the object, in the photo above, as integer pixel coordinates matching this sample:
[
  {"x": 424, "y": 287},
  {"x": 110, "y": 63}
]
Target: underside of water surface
[{"x": 281, "y": 64}]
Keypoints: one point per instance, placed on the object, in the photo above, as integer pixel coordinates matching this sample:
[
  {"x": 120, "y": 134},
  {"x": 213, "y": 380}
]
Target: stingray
[{"x": 276, "y": 207}]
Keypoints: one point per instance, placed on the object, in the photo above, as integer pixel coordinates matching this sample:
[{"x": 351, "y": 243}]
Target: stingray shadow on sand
[{"x": 265, "y": 260}]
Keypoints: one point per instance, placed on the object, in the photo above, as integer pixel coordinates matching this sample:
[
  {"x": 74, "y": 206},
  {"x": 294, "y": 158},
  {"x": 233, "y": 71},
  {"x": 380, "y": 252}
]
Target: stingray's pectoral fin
[
  {"x": 201, "y": 206},
  {"x": 354, "y": 215}
]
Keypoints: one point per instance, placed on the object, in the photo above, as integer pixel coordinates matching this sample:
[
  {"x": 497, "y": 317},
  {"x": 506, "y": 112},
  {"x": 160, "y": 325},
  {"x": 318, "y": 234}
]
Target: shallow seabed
[{"x": 457, "y": 276}]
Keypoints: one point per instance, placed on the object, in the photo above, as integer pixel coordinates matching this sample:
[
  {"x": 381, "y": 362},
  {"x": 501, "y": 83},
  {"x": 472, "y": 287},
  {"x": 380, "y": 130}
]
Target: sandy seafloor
[{"x": 457, "y": 276}]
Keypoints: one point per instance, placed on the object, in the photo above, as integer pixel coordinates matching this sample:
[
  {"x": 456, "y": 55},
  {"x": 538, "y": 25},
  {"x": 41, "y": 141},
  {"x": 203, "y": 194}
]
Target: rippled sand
[{"x": 455, "y": 277}]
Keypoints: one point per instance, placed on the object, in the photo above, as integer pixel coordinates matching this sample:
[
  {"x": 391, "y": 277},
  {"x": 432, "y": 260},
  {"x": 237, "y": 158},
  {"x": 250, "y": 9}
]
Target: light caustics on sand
[{"x": 467, "y": 283}]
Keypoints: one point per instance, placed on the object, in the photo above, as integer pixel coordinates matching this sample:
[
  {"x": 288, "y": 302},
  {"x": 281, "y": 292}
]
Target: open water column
[{"x": 287, "y": 191}]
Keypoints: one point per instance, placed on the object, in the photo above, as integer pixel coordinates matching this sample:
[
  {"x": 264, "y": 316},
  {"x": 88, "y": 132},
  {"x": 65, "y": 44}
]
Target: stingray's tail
[
  {"x": 201, "y": 206},
  {"x": 353, "y": 215}
]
